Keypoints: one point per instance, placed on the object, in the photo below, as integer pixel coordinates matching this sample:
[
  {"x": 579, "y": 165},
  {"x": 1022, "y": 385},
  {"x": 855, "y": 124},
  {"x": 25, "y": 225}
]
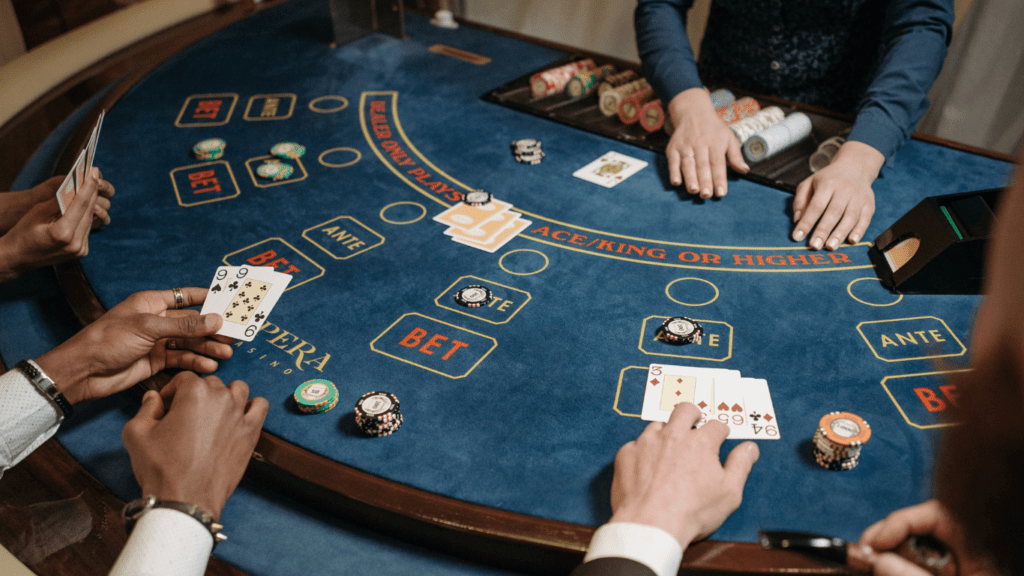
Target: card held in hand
[{"x": 244, "y": 297}]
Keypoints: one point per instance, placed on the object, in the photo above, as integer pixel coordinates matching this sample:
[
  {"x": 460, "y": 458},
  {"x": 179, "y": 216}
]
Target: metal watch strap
[
  {"x": 46, "y": 386},
  {"x": 136, "y": 508}
]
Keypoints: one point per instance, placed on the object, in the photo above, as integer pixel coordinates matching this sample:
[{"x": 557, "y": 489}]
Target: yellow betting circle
[
  {"x": 541, "y": 269},
  {"x": 403, "y": 222},
  {"x": 359, "y": 156},
  {"x": 849, "y": 290},
  {"x": 314, "y": 101},
  {"x": 667, "y": 288}
]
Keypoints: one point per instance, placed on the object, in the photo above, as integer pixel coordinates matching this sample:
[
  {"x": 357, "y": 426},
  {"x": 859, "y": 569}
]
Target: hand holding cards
[
  {"x": 75, "y": 179},
  {"x": 743, "y": 404},
  {"x": 244, "y": 297}
]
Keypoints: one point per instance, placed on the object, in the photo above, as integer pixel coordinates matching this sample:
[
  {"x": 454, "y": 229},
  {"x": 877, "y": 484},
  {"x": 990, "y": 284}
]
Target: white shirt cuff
[
  {"x": 650, "y": 546},
  {"x": 165, "y": 543},
  {"x": 27, "y": 418}
]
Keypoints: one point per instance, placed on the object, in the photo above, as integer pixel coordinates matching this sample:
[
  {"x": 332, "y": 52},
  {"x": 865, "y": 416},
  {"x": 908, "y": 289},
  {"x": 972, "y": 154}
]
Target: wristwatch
[
  {"x": 136, "y": 508},
  {"x": 46, "y": 386}
]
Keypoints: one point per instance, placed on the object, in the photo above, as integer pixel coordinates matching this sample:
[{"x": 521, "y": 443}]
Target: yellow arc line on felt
[{"x": 393, "y": 95}]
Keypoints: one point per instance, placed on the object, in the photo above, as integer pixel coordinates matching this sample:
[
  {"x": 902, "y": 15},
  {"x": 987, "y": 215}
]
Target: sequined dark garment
[{"x": 819, "y": 52}]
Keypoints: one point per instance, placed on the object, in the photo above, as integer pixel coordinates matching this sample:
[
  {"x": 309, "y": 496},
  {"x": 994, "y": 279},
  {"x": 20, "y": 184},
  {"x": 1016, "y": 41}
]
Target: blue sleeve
[
  {"x": 914, "y": 42},
  {"x": 664, "y": 47}
]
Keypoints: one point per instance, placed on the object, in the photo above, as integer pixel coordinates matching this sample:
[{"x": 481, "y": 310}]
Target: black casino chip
[
  {"x": 477, "y": 198},
  {"x": 681, "y": 330},
  {"x": 473, "y": 296}
]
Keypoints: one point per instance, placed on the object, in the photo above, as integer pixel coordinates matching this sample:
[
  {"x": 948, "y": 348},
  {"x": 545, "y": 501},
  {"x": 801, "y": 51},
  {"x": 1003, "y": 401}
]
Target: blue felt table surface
[{"x": 533, "y": 425}]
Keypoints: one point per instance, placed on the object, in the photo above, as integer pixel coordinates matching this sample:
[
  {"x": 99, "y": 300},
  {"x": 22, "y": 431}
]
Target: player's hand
[
  {"x": 43, "y": 236},
  {"x": 929, "y": 519},
  {"x": 14, "y": 205},
  {"x": 191, "y": 441},
  {"x": 838, "y": 198},
  {"x": 701, "y": 146},
  {"x": 133, "y": 341},
  {"x": 101, "y": 212},
  {"x": 671, "y": 476}
]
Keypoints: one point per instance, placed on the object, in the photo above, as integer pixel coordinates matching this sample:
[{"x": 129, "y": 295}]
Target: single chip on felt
[
  {"x": 209, "y": 149},
  {"x": 473, "y": 296},
  {"x": 274, "y": 170},
  {"x": 289, "y": 150}
]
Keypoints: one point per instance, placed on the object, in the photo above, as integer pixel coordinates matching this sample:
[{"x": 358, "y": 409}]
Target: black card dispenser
[{"x": 938, "y": 247}]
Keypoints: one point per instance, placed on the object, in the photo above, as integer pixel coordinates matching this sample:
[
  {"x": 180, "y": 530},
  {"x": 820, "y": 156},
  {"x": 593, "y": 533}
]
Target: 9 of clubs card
[{"x": 244, "y": 297}]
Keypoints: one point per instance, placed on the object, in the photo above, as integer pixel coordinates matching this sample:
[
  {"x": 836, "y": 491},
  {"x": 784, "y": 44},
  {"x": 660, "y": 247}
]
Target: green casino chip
[
  {"x": 275, "y": 170},
  {"x": 290, "y": 150},
  {"x": 209, "y": 149},
  {"x": 315, "y": 396}
]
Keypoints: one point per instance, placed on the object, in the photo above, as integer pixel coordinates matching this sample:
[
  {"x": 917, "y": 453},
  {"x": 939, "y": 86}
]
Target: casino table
[{"x": 513, "y": 412}]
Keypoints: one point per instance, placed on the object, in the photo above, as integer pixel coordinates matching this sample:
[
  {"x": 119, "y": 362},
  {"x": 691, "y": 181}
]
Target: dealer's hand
[
  {"x": 671, "y": 477},
  {"x": 133, "y": 341},
  {"x": 192, "y": 441},
  {"x": 838, "y": 198},
  {"x": 929, "y": 518},
  {"x": 702, "y": 146}
]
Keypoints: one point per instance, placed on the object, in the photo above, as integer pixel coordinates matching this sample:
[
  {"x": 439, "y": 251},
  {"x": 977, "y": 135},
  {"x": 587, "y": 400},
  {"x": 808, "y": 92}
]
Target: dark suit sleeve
[{"x": 612, "y": 567}]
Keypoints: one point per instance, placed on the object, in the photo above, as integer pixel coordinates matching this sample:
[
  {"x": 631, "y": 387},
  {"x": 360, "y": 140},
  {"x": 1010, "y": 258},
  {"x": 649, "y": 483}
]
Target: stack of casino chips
[
  {"x": 209, "y": 149},
  {"x": 616, "y": 80},
  {"x": 585, "y": 82},
  {"x": 681, "y": 330},
  {"x": 652, "y": 116},
  {"x": 274, "y": 169},
  {"x": 738, "y": 110},
  {"x": 473, "y": 296},
  {"x": 316, "y": 396},
  {"x": 527, "y": 151},
  {"x": 747, "y": 127},
  {"x": 554, "y": 80},
  {"x": 826, "y": 151},
  {"x": 777, "y": 137},
  {"x": 838, "y": 440},
  {"x": 610, "y": 99},
  {"x": 288, "y": 150},
  {"x": 378, "y": 414},
  {"x": 630, "y": 106},
  {"x": 721, "y": 98}
]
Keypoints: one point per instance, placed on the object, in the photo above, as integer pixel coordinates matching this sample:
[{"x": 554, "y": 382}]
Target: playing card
[
  {"x": 762, "y": 421},
  {"x": 79, "y": 171},
  {"x": 244, "y": 297},
  {"x": 668, "y": 385},
  {"x": 94, "y": 138},
  {"x": 500, "y": 239},
  {"x": 731, "y": 407},
  {"x": 610, "y": 169},
  {"x": 466, "y": 217},
  {"x": 66, "y": 192},
  {"x": 486, "y": 230},
  {"x": 746, "y": 407}
]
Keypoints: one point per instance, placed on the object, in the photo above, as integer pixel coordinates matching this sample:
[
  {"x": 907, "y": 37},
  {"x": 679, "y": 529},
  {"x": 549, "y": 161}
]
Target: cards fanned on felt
[
  {"x": 244, "y": 297},
  {"x": 743, "y": 404},
  {"x": 610, "y": 169},
  {"x": 487, "y": 227}
]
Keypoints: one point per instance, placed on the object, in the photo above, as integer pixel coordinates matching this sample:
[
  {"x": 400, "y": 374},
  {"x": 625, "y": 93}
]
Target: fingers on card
[
  {"x": 244, "y": 297},
  {"x": 610, "y": 169},
  {"x": 742, "y": 404}
]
